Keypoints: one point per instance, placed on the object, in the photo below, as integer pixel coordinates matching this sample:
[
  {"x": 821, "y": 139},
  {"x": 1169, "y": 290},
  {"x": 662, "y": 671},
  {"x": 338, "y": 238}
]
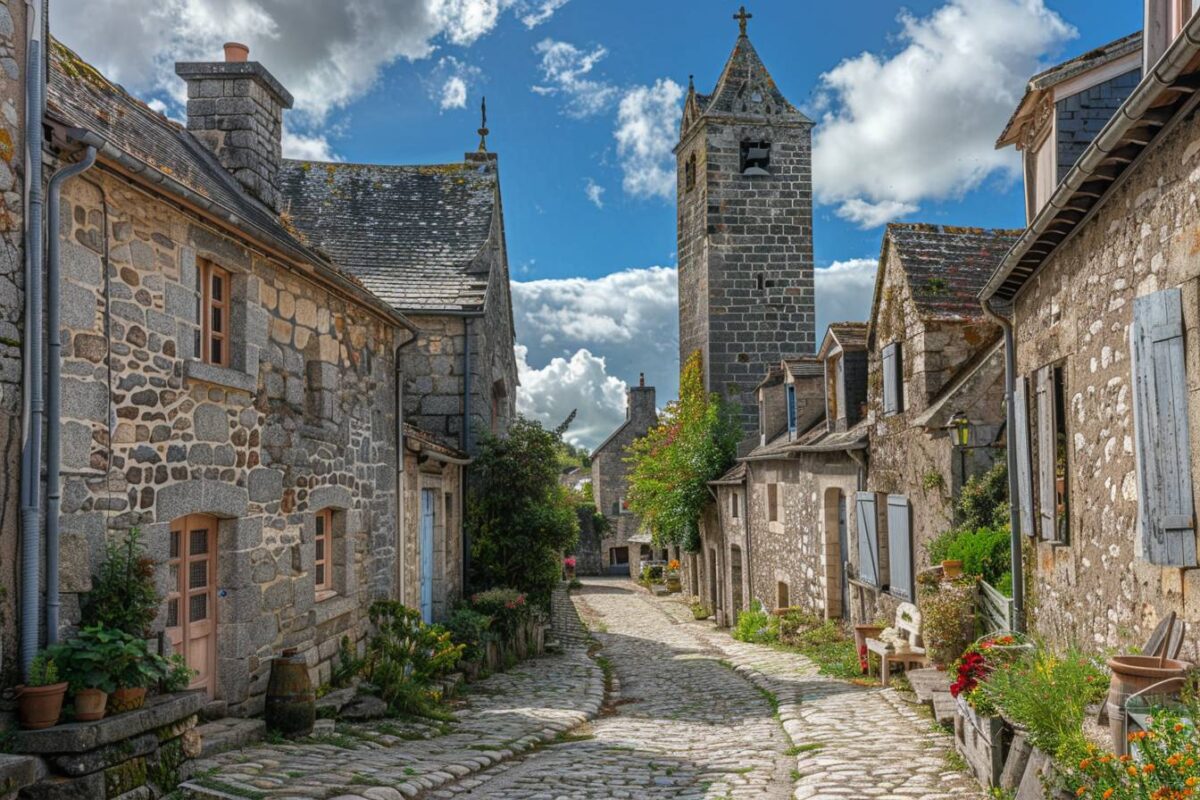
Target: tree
[
  {"x": 519, "y": 517},
  {"x": 695, "y": 442}
]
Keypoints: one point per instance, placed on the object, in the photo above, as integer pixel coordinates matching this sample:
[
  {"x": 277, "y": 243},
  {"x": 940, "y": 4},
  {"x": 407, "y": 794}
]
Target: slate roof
[
  {"x": 948, "y": 266},
  {"x": 736, "y": 475},
  {"x": 850, "y": 335},
  {"x": 743, "y": 75},
  {"x": 805, "y": 366},
  {"x": 817, "y": 439},
  {"x": 412, "y": 234}
]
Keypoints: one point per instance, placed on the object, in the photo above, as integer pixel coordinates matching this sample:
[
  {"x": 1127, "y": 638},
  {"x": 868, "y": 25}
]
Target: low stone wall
[{"x": 139, "y": 755}]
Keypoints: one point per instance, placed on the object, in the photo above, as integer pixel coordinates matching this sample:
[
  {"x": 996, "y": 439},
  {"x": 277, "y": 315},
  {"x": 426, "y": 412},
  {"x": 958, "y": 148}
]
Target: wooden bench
[{"x": 908, "y": 625}]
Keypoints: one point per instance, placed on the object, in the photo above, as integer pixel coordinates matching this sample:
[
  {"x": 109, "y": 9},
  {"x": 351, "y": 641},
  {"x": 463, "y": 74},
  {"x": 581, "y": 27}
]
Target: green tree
[
  {"x": 519, "y": 517},
  {"x": 695, "y": 442}
]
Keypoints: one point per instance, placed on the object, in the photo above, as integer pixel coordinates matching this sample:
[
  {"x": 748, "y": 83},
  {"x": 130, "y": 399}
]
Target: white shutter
[
  {"x": 900, "y": 559},
  {"x": 868, "y": 538},
  {"x": 1020, "y": 439},
  {"x": 1047, "y": 453},
  {"x": 890, "y": 394}
]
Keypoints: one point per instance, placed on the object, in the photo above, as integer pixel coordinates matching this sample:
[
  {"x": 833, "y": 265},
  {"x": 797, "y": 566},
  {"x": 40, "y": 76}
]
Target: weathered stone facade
[
  {"x": 744, "y": 231},
  {"x": 610, "y": 478}
]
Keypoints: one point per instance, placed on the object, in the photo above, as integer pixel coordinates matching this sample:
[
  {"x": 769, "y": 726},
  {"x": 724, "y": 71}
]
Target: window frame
[
  {"x": 323, "y": 551},
  {"x": 772, "y": 502},
  {"x": 206, "y": 272},
  {"x": 893, "y": 375},
  {"x": 792, "y": 418},
  {"x": 744, "y": 158},
  {"x": 734, "y": 509}
]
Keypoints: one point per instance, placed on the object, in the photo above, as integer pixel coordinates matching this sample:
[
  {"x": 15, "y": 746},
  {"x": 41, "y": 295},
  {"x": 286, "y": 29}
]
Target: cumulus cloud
[
  {"x": 647, "y": 126},
  {"x": 921, "y": 124},
  {"x": 567, "y": 72},
  {"x": 595, "y": 193},
  {"x": 613, "y": 327},
  {"x": 450, "y": 82},
  {"x": 535, "y": 14},
  {"x": 580, "y": 383},
  {"x": 843, "y": 291},
  {"x": 307, "y": 148}
]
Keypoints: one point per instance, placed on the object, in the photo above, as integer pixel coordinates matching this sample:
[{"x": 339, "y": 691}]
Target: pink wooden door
[{"x": 191, "y": 601}]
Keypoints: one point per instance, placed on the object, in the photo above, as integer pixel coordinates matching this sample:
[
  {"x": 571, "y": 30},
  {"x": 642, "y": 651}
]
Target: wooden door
[
  {"x": 191, "y": 600},
  {"x": 428, "y": 523},
  {"x": 843, "y": 555}
]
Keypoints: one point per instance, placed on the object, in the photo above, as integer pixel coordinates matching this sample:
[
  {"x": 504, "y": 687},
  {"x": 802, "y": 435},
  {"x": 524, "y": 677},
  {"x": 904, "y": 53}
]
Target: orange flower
[
  {"x": 1085, "y": 763},
  {"x": 1192, "y": 781},
  {"x": 1107, "y": 794},
  {"x": 1081, "y": 791},
  {"x": 1148, "y": 768},
  {"x": 1132, "y": 771}
]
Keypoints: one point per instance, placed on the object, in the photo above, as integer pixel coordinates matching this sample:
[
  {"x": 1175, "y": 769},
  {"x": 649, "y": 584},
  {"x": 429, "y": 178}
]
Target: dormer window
[
  {"x": 756, "y": 158},
  {"x": 689, "y": 173}
]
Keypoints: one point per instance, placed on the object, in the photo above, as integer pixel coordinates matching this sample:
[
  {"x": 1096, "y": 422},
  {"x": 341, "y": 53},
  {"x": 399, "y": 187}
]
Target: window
[
  {"x": 212, "y": 344},
  {"x": 499, "y": 393},
  {"x": 761, "y": 281},
  {"x": 1166, "y": 512},
  {"x": 616, "y": 507},
  {"x": 772, "y": 502},
  {"x": 781, "y": 595},
  {"x": 893, "y": 379},
  {"x": 791, "y": 408},
  {"x": 756, "y": 158},
  {"x": 689, "y": 173},
  {"x": 734, "y": 511},
  {"x": 1052, "y": 456},
  {"x": 323, "y": 563},
  {"x": 900, "y": 559}
]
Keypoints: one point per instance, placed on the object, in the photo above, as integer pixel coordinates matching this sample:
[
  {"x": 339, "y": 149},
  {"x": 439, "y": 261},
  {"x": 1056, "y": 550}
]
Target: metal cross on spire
[
  {"x": 483, "y": 128},
  {"x": 742, "y": 17}
]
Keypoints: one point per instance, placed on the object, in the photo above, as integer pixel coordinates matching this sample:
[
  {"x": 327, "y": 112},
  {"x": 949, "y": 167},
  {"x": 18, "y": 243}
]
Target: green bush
[
  {"x": 43, "y": 671},
  {"x": 507, "y": 609},
  {"x": 983, "y": 501},
  {"x": 123, "y": 595},
  {"x": 829, "y": 647},
  {"x": 985, "y": 552},
  {"x": 652, "y": 573},
  {"x": 700, "y": 611},
  {"x": 99, "y": 657},
  {"x": 405, "y": 656},
  {"x": 469, "y": 628},
  {"x": 948, "y": 619},
  {"x": 756, "y": 626},
  {"x": 794, "y": 622}
]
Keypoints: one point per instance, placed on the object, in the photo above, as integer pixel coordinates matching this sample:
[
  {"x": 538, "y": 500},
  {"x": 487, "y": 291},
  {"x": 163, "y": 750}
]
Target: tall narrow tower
[{"x": 744, "y": 218}]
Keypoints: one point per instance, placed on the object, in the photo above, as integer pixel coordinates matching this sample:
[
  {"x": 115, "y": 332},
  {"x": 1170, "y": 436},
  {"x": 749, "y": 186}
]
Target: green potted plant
[
  {"x": 86, "y": 662},
  {"x": 40, "y": 699},
  {"x": 134, "y": 670}
]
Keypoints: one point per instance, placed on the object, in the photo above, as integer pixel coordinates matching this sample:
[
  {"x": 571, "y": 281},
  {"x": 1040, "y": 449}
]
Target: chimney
[
  {"x": 236, "y": 108},
  {"x": 642, "y": 411}
]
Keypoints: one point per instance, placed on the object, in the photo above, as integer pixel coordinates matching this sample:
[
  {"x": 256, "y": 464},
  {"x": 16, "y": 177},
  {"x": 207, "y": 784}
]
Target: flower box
[{"x": 981, "y": 741}]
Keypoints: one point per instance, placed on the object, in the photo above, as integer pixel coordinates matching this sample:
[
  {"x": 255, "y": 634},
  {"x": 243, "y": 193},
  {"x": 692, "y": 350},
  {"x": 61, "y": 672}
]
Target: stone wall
[
  {"x": 745, "y": 256},
  {"x": 1097, "y": 590},
  {"x": 610, "y": 473},
  {"x": 302, "y": 419},
  {"x": 800, "y": 550},
  {"x": 12, "y": 299}
]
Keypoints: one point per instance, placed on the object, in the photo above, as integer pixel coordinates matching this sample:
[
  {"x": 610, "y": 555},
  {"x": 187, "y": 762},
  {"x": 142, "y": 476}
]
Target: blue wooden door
[
  {"x": 428, "y": 520},
  {"x": 843, "y": 555}
]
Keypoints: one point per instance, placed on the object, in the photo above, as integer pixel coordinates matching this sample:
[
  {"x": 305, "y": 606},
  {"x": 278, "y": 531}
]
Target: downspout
[
  {"x": 464, "y": 536},
  {"x": 33, "y": 409},
  {"x": 54, "y": 385},
  {"x": 1014, "y": 515}
]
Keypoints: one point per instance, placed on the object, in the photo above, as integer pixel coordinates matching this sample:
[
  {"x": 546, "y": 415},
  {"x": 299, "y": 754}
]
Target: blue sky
[{"x": 583, "y": 96}]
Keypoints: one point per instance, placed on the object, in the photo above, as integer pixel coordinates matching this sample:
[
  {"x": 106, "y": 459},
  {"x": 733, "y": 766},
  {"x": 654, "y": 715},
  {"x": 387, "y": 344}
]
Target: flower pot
[
  {"x": 40, "y": 706},
  {"x": 674, "y": 586},
  {"x": 90, "y": 704},
  {"x": 952, "y": 569},
  {"x": 236, "y": 52},
  {"x": 1132, "y": 674},
  {"x": 126, "y": 699}
]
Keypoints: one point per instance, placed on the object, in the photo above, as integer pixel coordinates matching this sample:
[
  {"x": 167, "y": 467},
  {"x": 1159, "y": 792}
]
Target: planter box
[
  {"x": 1039, "y": 771},
  {"x": 982, "y": 742},
  {"x": 494, "y": 658}
]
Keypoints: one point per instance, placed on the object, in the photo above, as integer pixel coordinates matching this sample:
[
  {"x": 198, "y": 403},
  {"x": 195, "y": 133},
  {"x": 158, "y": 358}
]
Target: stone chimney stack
[
  {"x": 236, "y": 108},
  {"x": 642, "y": 411}
]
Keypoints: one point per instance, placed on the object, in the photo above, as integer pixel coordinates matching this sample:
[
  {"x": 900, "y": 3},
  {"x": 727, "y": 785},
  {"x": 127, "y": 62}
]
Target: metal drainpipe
[
  {"x": 54, "y": 385},
  {"x": 33, "y": 411},
  {"x": 464, "y": 536},
  {"x": 1014, "y": 516}
]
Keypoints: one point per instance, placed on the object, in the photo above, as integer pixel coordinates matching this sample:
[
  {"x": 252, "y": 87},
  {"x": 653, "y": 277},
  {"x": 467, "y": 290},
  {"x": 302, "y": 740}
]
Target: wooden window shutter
[
  {"x": 891, "y": 394},
  {"x": 1160, "y": 412},
  {"x": 868, "y": 538},
  {"x": 1046, "y": 452},
  {"x": 1024, "y": 456},
  {"x": 900, "y": 559}
]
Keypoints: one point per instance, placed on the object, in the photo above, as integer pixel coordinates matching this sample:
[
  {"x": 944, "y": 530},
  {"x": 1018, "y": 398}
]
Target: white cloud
[
  {"x": 872, "y": 215},
  {"x": 537, "y": 13},
  {"x": 921, "y": 124},
  {"x": 566, "y": 71},
  {"x": 625, "y": 323},
  {"x": 647, "y": 127},
  {"x": 595, "y": 193},
  {"x": 450, "y": 82},
  {"x": 454, "y": 93},
  {"x": 843, "y": 292},
  {"x": 580, "y": 383},
  {"x": 307, "y": 148}
]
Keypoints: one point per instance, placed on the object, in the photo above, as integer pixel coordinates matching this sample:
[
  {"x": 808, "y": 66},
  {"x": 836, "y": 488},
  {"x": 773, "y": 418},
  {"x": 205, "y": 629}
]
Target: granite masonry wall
[
  {"x": 1097, "y": 590},
  {"x": 610, "y": 474},
  {"x": 302, "y": 419},
  {"x": 12, "y": 299}
]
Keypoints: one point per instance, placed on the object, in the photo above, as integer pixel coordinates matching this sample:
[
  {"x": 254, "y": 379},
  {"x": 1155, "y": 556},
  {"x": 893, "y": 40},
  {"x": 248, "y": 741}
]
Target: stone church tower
[{"x": 744, "y": 221}]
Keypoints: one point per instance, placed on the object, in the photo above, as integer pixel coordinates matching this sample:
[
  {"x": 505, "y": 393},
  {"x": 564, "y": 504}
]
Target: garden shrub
[
  {"x": 405, "y": 656},
  {"x": 700, "y": 611},
  {"x": 831, "y": 648},
  {"x": 471, "y": 629},
  {"x": 794, "y": 622},
  {"x": 985, "y": 552},
  {"x": 948, "y": 619},
  {"x": 756, "y": 626},
  {"x": 507, "y": 609},
  {"x": 652, "y": 573},
  {"x": 123, "y": 595}
]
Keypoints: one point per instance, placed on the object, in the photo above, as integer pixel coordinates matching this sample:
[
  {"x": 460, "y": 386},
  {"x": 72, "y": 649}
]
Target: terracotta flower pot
[
  {"x": 236, "y": 52},
  {"x": 90, "y": 704},
  {"x": 127, "y": 699},
  {"x": 40, "y": 706},
  {"x": 1132, "y": 674},
  {"x": 952, "y": 569}
]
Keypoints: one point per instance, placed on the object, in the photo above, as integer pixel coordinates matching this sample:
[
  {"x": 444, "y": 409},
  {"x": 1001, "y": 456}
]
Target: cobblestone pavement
[
  {"x": 695, "y": 717},
  {"x": 505, "y": 714}
]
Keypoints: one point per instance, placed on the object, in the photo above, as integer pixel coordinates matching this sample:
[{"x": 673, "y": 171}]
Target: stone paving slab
[{"x": 504, "y": 715}]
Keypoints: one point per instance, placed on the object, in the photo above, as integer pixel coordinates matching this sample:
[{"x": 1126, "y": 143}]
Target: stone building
[
  {"x": 610, "y": 484},
  {"x": 744, "y": 225},
  {"x": 228, "y": 389},
  {"x": 429, "y": 240},
  {"x": 935, "y": 363},
  {"x": 1102, "y": 292}
]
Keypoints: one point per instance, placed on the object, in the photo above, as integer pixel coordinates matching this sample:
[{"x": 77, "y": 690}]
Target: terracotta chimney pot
[{"x": 236, "y": 52}]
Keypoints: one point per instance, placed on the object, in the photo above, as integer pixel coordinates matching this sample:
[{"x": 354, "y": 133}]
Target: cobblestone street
[{"x": 691, "y": 714}]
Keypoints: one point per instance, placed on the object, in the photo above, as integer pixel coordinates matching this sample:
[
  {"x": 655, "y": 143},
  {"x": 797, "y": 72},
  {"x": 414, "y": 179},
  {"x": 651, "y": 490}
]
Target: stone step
[
  {"x": 226, "y": 734},
  {"x": 943, "y": 708},
  {"x": 17, "y": 772},
  {"x": 927, "y": 681}
]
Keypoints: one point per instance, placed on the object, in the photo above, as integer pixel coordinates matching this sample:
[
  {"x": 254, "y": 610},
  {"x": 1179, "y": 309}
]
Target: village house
[
  {"x": 1101, "y": 290},
  {"x": 935, "y": 373},
  {"x": 227, "y": 389},
  {"x": 610, "y": 486}
]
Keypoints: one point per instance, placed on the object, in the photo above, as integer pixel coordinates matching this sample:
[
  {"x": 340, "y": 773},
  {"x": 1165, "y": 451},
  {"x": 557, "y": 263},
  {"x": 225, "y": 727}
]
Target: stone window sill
[
  {"x": 333, "y": 608},
  {"x": 326, "y": 594},
  {"x": 196, "y": 370}
]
